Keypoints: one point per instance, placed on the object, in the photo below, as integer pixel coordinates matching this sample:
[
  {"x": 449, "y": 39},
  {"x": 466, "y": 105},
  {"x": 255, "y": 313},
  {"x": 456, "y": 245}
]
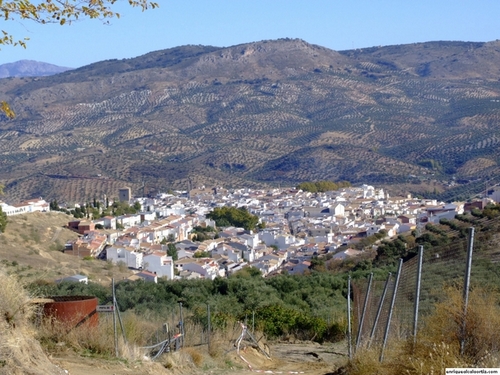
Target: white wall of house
[
  {"x": 162, "y": 265},
  {"x": 109, "y": 222},
  {"x": 450, "y": 215},
  {"x": 149, "y": 215},
  {"x": 233, "y": 255},
  {"x": 174, "y": 210},
  {"x": 251, "y": 240},
  {"x": 34, "y": 205},
  {"x": 392, "y": 230},
  {"x": 112, "y": 237},
  {"x": 128, "y": 220},
  {"x": 131, "y": 258},
  {"x": 249, "y": 255},
  {"x": 337, "y": 209},
  {"x": 196, "y": 267},
  {"x": 284, "y": 241},
  {"x": 267, "y": 237},
  {"x": 372, "y": 229},
  {"x": 163, "y": 233}
]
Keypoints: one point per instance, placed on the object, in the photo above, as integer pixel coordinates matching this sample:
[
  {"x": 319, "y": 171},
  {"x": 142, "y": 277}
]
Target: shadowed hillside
[{"x": 257, "y": 114}]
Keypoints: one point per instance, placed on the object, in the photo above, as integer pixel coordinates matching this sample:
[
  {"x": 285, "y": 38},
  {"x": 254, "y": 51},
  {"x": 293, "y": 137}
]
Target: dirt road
[{"x": 299, "y": 358}]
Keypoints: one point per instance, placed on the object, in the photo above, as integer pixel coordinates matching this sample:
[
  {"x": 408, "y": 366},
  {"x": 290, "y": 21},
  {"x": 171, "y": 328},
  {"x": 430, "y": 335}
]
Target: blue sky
[{"x": 335, "y": 24}]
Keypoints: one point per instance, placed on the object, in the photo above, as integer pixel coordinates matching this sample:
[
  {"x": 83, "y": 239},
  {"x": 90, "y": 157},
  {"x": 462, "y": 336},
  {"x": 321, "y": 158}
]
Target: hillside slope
[
  {"x": 257, "y": 114},
  {"x": 31, "y": 248}
]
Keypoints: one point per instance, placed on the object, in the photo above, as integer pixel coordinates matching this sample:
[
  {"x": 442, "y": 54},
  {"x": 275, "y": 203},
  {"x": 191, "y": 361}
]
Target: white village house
[
  {"x": 160, "y": 264},
  {"x": 126, "y": 254}
]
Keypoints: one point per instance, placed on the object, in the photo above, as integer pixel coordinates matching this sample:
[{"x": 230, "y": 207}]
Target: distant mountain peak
[{"x": 30, "y": 68}]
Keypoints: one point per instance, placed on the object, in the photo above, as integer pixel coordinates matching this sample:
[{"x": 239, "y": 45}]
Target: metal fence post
[
  {"x": 379, "y": 310},
  {"x": 470, "y": 249},
  {"x": 208, "y": 326},
  {"x": 349, "y": 343},
  {"x": 181, "y": 326},
  {"x": 115, "y": 303},
  {"x": 393, "y": 301},
  {"x": 253, "y": 321},
  {"x": 114, "y": 318},
  {"x": 417, "y": 292},
  {"x": 360, "y": 327}
]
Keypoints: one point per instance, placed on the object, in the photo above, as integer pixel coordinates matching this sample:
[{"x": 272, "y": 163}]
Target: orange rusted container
[{"x": 72, "y": 311}]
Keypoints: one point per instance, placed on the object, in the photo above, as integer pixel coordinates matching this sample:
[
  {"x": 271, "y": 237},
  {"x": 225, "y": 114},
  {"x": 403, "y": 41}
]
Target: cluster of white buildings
[
  {"x": 298, "y": 226},
  {"x": 29, "y": 206}
]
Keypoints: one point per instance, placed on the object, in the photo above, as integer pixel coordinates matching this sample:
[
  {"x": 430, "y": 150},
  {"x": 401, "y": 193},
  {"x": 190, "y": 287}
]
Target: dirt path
[
  {"x": 299, "y": 358},
  {"x": 56, "y": 234}
]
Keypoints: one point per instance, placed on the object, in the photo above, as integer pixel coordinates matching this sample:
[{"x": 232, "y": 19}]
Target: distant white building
[
  {"x": 206, "y": 267},
  {"x": 109, "y": 222},
  {"x": 337, "y": 209},
  {"x": 144, "y": 275},
  {"x": 283, "y": 241},
  {"x": 373, "y": 229},
  {"x": 251, "y": 240},
  {"x": 29, "y": 206},
  {"x": 349, "y": 253},
  {"x": 128, "y": 221},
  {"x": 494, "y": 194},
  {"x": 75, "y": 279},
  {"x": 445, "y": 211},
  {"x": 160, "y": 264},
  {"x": 128, "y": 255}
]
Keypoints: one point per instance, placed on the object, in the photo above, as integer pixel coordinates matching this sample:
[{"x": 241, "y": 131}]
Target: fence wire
[{"x": 442, "y": 266}]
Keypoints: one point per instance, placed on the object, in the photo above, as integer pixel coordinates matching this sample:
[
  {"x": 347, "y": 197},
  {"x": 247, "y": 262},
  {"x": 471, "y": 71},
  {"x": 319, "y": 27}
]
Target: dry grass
[
  {"x": 181, "y": 360},
  {"x": 481, "y": 334},
  {"x": 196, "y": 356},
  {"x": 438, "y": 344},
  {"x": 84, "y": 340},
  {"x": 30, "y": 246},
  {"x": 139, "y": 328},
  {"x": 20, "y": 353},
  {"x": 99, "y": 340}
]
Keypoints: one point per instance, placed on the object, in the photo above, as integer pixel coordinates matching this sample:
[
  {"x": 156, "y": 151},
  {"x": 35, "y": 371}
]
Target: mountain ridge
[
  {"x": 257, "y": 114},
  {"x": 29, "y": 68}
]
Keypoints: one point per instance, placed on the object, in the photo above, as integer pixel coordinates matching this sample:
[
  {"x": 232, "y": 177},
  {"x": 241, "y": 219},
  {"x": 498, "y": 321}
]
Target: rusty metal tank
[{"x": 72, "y": 311}]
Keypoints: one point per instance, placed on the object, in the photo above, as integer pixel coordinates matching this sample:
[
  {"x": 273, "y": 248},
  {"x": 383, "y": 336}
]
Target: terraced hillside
[{"x": 264, "y": 113}]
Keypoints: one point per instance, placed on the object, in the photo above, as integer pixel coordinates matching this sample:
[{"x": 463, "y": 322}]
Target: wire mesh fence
[
  {"x": 394, "y": 309},
  {"x": 375, "y": 307}
]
